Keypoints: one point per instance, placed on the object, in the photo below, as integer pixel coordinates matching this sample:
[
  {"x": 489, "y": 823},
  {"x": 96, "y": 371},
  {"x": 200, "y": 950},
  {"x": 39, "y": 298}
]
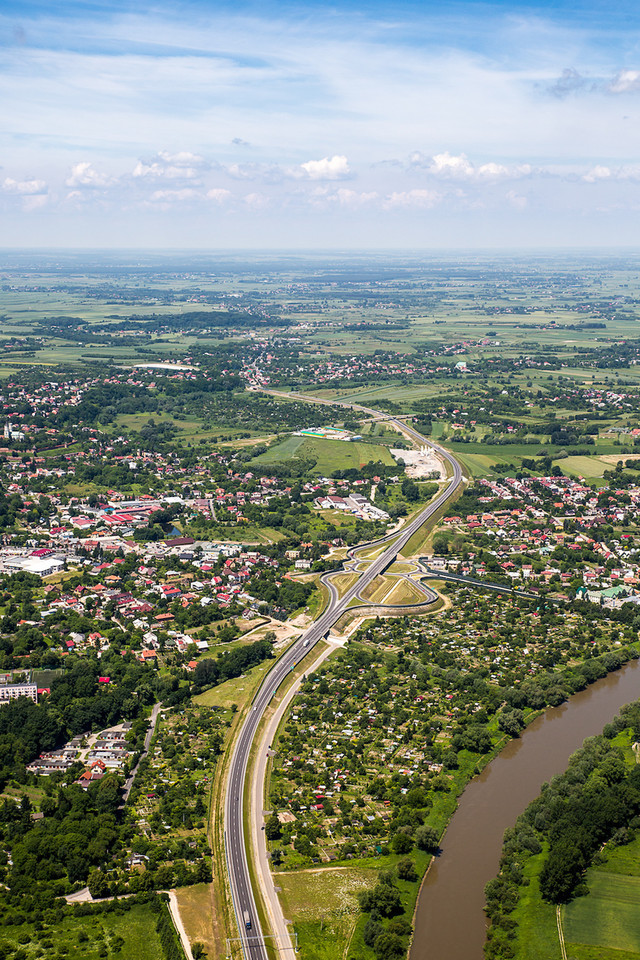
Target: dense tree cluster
[
  {"x": 77, "y": 703},
  {"x": 231, "y": 664},
  {"x": 596, "y": 800}
]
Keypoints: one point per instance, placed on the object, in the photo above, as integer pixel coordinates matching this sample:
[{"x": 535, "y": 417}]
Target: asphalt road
[{"x": 251, "y": 935}]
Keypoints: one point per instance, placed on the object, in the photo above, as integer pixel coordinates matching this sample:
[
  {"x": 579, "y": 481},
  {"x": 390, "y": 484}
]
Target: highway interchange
[{"x": 244, "y": 902}]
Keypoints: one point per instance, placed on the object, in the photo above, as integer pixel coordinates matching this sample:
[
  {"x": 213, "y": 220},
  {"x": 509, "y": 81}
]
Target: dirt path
[
  {"x": 145, "y": 750},
  {"x": 174, "y": 909},
  {"x": 563, "y": 951}
]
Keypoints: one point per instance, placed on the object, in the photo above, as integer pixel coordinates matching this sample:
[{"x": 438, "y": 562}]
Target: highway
[{"x": 250, "y": 933}]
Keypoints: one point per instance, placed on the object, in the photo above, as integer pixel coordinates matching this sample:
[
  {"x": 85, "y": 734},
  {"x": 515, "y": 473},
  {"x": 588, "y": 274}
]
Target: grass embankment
[
  {"x": 344, "y": 581},
  {"x": 237, "y": 691},
  {"x": 234, "y": 696},
  {"x": 420, "y": 542},
  {"x": 301, "y": 668}
]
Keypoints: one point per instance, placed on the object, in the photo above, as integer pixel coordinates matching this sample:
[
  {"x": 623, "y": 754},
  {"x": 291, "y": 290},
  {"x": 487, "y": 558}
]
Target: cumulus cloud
[
  {"x": 516, "y": 200},
  {"x": 34, "y": 202},
  {"x": 256, "y": 201},
  {"x": 84, "y": 174},
  {"x": 218, "y": 194},
  {"x": 176, "y": 166},
  {"x": 266, "y": 172},
  {"x": 597, "y": 173},
  {"x": 626, "y": 81},
  {"x": 352, "y": 199},
  {"x": 329, "y": 168},
  {"x": 456, "y": 167},
  {"x": 24, "y": 188},
  {"x": 173, "y": 196},
  {"x": 416, "y": 199},
  {"x": 570, "y": 81},
  {"x": 447, "y": 166},
  {"x": 493, "y": 171}
]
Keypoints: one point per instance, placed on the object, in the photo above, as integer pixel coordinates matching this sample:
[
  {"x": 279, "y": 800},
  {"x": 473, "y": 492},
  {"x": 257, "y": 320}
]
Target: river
[{"x": 450, "y": 922}]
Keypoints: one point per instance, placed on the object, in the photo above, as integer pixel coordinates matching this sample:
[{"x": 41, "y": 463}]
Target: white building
[{"x": 11, "y": 691}]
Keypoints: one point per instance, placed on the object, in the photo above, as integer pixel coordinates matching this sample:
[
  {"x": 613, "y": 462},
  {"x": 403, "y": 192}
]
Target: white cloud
[
  {"x": 417, "y": 199},
  {"x": 24, "y": 188},
  {"x": 329, "y": 168},
  {"x": 352, "y": 199},
  {"x": 173, "y": 196},
  {"x": 493, "y": 171},
  {"x": 626, "y": 81},
  {"x": 446, "y": 165},
  {"x": 218, "y": 194},
  {"x": 182, "y": 159},
  {"x": 516, "y": 200},
  {"x": 84, "y": 174},
  {"x": 597, "y": 173},
  {"x": 171, "y": 166},
  {"x": 35, "y": 202},
  {"x": 256, "y": 201}
]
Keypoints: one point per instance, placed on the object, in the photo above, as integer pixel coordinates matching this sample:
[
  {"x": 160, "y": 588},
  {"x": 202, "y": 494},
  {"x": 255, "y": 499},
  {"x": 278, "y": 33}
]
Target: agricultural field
[{"x": 608, "y": 917}]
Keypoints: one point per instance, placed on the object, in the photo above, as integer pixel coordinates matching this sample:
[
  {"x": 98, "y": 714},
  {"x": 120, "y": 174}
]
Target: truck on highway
[{"x": 247, "y": 920}]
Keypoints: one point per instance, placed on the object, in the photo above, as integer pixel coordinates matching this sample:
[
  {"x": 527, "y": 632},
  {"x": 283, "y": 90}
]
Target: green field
[
  {"x": 235, "y": 691},
  {"x": 127, "y": 935},
  {"x": 329, "y": 455},
  {"x": 323, "y": 904},
  {"x": 587, "y": 467},
  {"x": 608, "y": 917}
]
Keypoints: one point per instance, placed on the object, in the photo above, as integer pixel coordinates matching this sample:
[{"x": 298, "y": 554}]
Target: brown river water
[{"x": 450, "y": 922}]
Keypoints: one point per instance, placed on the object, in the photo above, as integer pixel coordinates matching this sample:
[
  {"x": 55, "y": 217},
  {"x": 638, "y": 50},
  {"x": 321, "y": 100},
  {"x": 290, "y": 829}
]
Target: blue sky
[{"x": 350, "y": 125}]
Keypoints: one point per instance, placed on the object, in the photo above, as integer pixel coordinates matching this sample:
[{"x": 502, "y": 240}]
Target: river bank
[{"x": 471, "y": 846}]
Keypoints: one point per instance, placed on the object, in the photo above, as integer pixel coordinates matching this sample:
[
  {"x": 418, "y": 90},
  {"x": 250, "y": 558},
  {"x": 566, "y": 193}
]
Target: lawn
[
  {"x": 406, "y": 592},
  {"x": 343, "y": 581},
  {"x": 378, "y": 589},
  {"x": 608, "y": 917},
  {"x": 624, "y": 860}
]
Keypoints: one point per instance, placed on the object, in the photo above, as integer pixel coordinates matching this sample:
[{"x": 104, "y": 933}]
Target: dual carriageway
[{"x": 251, "y": 936}]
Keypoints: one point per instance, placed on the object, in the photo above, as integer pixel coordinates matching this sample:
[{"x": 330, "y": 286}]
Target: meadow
[
  {"x": 330, "y": 455},
  {"x": 122, "y": 935}
]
